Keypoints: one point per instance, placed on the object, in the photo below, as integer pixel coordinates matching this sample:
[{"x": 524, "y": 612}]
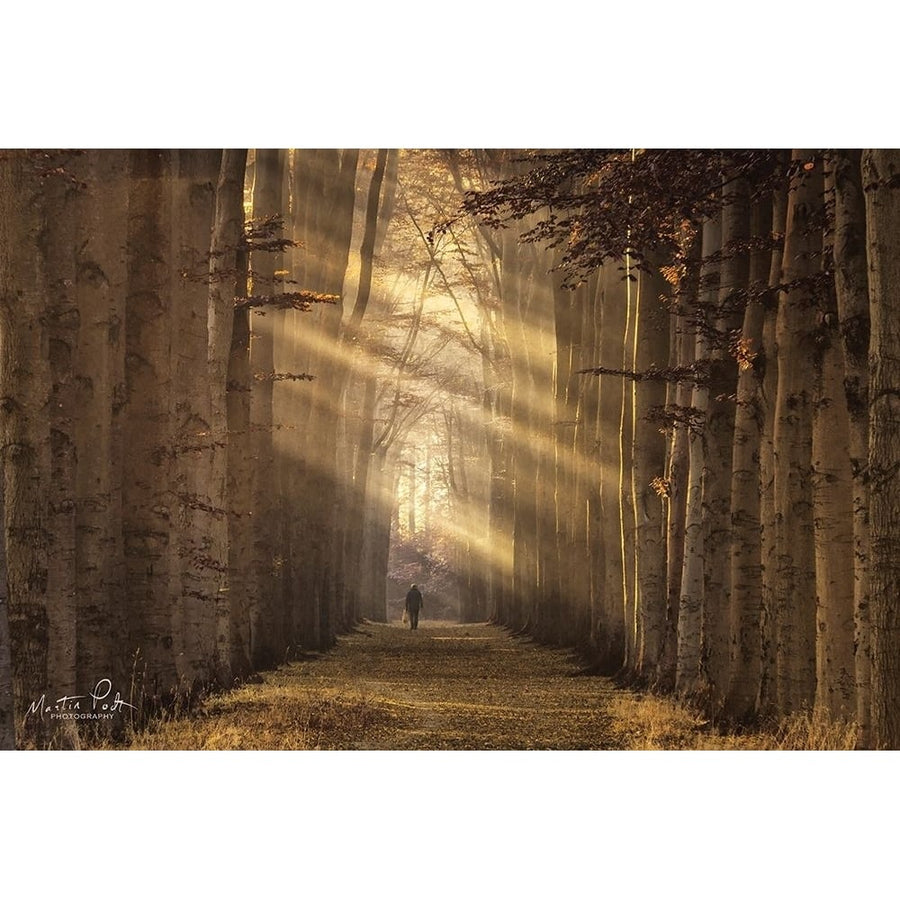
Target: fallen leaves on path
[
  {"x": 456, "y": 687},
  {"x": 384, "y": 687}
]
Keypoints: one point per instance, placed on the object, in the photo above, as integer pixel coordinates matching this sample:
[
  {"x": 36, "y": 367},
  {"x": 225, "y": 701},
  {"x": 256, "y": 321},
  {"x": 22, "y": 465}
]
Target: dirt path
[{"x": 384, "y": 687}]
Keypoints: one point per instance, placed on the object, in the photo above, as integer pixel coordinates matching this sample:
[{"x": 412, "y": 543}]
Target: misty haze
[{"x": 450, "y": 449}]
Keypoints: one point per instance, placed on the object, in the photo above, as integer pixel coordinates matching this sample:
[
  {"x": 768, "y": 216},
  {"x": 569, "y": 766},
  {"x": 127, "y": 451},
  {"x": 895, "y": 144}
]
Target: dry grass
[
  {"x": 268, "y": 720},
  {"x": 647, "y": 722}
]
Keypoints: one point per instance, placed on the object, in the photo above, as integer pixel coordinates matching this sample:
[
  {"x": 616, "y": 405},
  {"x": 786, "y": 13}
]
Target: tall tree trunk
[
  {"x": 227, "y": 234},
  {"x": 746, "y": 547},
  {"x": 833, "y": 504},
  {"x": 195, "y": 561},
  {"x": 517, "y": 299},
  {"x": 833, "y": 523},
  {"x": 610, "y": 624},
  {"x": 546, "y": 606},
  {"x": 361, "y": 473},
  {"x": 567, "y": 331},
  {"x": 881, "y": 183},
  {"x": 497, "y": 409},
  {"x": 852, "y": 288},
  {"x": 147, "y": 433},
  {"x": 651, "y": 350},
  {"x": 243, "y": 588},
  {"x": 367, "y": 251},
  {"x": 729, "y": 303},
  {"x": 102, "y": 630},
  {"x": 587, "y": 483},
  {"x": 326, "y": 460},
  {"x": 683, "y": 343},
  {"x": 270, "y": 641},
  {"x": 795, "y": 613},
  {"x": 57, "y": 251},
  {"x": 690, "y": 609},
  {"x": 768, "y": 362},
  {"x": 625, "y": 434},
  {"x": 7, "y": 704}
]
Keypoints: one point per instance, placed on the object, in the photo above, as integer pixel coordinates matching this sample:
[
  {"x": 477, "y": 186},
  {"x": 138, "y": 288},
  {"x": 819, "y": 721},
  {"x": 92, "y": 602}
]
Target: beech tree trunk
[
  {"x": 35, "y": 306},
  {"x": 833, "y": 504},
  {"x": 683, "y": 343},
  {"x": 688, "y": 673},
  {"x": 269, "y": 639},
  {"x": 243, "y": 588},
  {"x": 567, "y": 331},
  {"x": 57, "y": 245},
  {"x": 102, "y": 646},
  {"x": 148, "y": 434},
  {"x": 7, "y": 705},
  {"x": 625, "y": 433},
  {"x": 795, "y": 612},
  {"x": 651, "y": 349},
  {"x": 768, "y": 362},
  {"x": 196, "y": 558},
  {"x": 881, "y": 183},
  {"x": 727, "y": 317},
  {"x": 852, "y": 290},
  {"x": 587, "y": 485},
  {"x": 609, "y": 636},
  {"x": 232, "y": 641},
  {"x": 746, "y": 530}
]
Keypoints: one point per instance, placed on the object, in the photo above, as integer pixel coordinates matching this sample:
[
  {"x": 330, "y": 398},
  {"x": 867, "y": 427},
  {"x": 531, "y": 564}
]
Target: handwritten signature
[{"x": 97, "y": 704}]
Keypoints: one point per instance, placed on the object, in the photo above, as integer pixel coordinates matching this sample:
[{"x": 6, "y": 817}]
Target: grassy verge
[{"x": 648, "y": 722}]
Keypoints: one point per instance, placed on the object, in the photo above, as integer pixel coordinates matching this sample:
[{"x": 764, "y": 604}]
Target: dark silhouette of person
[{"x": 413, "y": 605}]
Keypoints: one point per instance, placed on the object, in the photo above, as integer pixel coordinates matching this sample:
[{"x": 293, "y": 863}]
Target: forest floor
[{"x": 442, "y": 687}]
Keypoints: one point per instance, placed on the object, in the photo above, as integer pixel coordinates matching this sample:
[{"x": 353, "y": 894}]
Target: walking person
[{"x": 413, "y": 605}]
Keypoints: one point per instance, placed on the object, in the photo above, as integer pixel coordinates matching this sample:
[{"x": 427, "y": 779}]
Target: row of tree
[
  {"x": 693, "y": 419},
  {"x": 180, "y": 390},
  {"x": 656, "y": 392}
]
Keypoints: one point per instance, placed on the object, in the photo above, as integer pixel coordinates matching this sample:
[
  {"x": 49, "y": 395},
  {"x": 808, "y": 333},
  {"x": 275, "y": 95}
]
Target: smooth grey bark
[
  {"x": 768, "y": 363},
  {"x": 610, "y": 626},
  {"x": 651, "y": 349},
  {"x": 232, "y": 641},
  {"x": 689, "y": 676},
  {"x": 717, "y": 484},
  {"x": 746, "y": 547},
  {"x": 683, "y": 342},
  {"x": 795, "y": 335}
]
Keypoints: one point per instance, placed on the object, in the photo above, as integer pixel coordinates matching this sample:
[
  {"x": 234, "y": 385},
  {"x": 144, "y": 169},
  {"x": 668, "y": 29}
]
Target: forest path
[{"x": 385, "y": 687}]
